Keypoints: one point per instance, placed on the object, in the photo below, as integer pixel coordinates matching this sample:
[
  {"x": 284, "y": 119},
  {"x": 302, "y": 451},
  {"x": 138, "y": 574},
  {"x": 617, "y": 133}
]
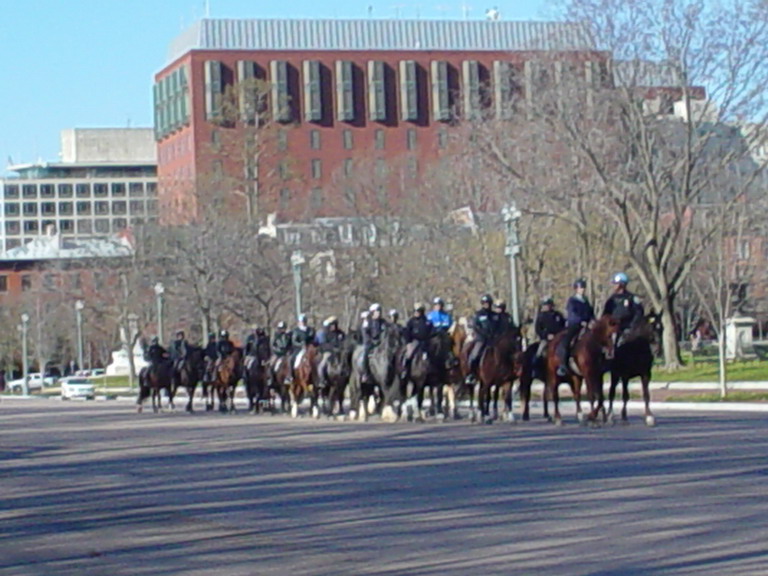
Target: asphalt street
[{"x": 94, "y": 488}]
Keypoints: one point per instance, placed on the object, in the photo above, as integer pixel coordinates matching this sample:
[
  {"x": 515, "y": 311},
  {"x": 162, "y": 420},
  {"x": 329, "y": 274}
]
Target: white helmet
[
  {"x": 375, "y": 307},
  {"x": 393, "y": 312}
]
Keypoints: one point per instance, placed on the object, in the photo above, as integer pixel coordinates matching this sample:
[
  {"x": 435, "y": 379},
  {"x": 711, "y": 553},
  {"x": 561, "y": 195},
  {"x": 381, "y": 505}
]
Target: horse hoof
[
  {"x": 650, "y": 421},
  {"x": 580, "y": 417},
  {"x": 510, "y": 418},
  {"x": 294, "y": 411},
  {"x": 488, "y": 421},
  {"x": 139, "y": 409},
  {"x": 352, "y": 415},
  {"x": 388, "y": 415},
  {"x": 558, "y": 422},
  {"x": 440, "y": 418}
]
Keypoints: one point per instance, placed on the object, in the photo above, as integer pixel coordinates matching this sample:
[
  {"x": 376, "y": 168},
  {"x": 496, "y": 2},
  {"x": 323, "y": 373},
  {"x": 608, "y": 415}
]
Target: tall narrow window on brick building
[
  {"x": 379, "y": 139},
  {"x": 26, "y": 283},
  {"x": 440, "y": 101},
  {"x": 314, "y": 139},
  {"x": 442, "y": 138},
  {"x": 282, "y": 140},
  {"x": 502, "y": 89},
  {"x": 409, "y": 93},
  {"x": 377, "y": 92},
  {"x": 283, "y": 170},
  {"x": 348, "y": 166},
  {"x": 281, "y": 105},
  {"x": 345, "y": 91},
  {"x": 247, "y": 96},
  {"x": 313, "y": 91},
  {"x": 470, "y": 75},
  {"x": 317, "y": 168},
  {"x": 213, "y": 89},
  {"x": 285, "y": 198},
  {"x": 3, "y": 283},
  {"x": 347, "y": 138},
  {"x": 316, "y": 198},
  {"x": 411, "y": 139}
]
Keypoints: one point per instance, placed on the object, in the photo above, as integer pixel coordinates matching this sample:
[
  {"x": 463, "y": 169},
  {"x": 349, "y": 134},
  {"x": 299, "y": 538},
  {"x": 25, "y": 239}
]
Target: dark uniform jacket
[
  {"x": 156, "y": 353},
  {"x": 224, "y": 348},
  {"x": 505, "y": 322},
  {"x": 281, "y": 343},
  {"x": 372, "y": 330},
  {"x": 332, "y": 340},
  {"x": 302, "y": 337},
  {"x": 485, "y": 324},
  {"x": 418, "y": 328},
  {"x": 179, "y": 349},
  {"x": 578, "y": 310},
  {"x": 624, "y": 307},
  {"x": 549, "y": 323},
  {"x": 211, "y": 350}
]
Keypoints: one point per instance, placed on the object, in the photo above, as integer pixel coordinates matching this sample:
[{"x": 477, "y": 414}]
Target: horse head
[{"x": 605, "y": 332}]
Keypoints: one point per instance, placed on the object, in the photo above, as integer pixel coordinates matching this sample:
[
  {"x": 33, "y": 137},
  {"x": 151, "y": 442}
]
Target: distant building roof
[
  {"x": 53, "y": 247},
  {"x": 373, "y": 34},
  {"x": 645, "y": 73}
]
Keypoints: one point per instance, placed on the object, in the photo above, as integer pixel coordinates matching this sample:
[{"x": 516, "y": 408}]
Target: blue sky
[{"x": 90, "y": 63}]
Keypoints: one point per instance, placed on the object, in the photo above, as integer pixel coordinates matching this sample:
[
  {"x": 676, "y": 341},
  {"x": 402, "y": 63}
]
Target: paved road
[{"x": 93, "y": 488}]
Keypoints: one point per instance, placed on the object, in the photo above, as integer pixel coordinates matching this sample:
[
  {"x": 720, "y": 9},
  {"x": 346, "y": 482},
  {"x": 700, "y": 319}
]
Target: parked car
[
  {"x": 35, "y": 382},
  {"x": 77, "y": 387}
]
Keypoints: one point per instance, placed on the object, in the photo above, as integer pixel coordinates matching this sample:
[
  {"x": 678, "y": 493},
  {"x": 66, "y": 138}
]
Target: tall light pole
[
  {"x": 79, "y": 305},
  {"x": 511, "y": 216},
  {"x": 159, "y": 291},
  {"x": 297, "y": 261},
  {"x": 24, "y": 360}
]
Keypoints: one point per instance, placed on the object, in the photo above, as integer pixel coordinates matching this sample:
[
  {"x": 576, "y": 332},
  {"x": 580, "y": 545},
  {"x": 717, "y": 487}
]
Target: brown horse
[
  {"x": 304, "y": 377},
  {"x": 589, "y": 358},
  {"x": 280, "y": 378},
  {"x": 152, "y": 380},
  {"x": 633, "y": 359},
  {"x": 256, "y": 377},
  {"x": 226, "y": 376},
  {"x": 497, "y": 371}
]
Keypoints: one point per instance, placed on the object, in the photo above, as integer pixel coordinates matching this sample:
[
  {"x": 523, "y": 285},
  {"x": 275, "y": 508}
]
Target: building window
[
  {"x": 285, "y": 198},
  {"x": 101, "y": 208},
  {"x": 11, "y": 191},
  {"x": 281, "y": 110},
  {"x": 47, "y": 191},
  {"x": 118, "y": 189},
  {"x": 66, "y": 226},
  {"x": 13, "y": 227},
  {"x": 119, "y": 224},
  {"x": 441, "y": 111},
  {"x": 442, "y": 138},
  {"x": 743, "y": 249},
  {"x": 30, "y": 208},
  {"x": 100, "y": 190},
  {"x": 102, "y": 226},
  {"x": 75, "y": 281},
  {"x": 347, "y": 137},
  {"x": 282, "y": 140},
  {"x": 136, "y": 189},
  {"x": 502, "y": 89},
  {"x": 345, "y": 97},
  {"x": 316, "y": 198},
  {"x": 83, "y": 208},
  {"x": 137, "y": 207},
  {"x": 314, "y": 139},
  {"x": 48, "y": 209},
  {"x": 313, "y": 92},
  {"x": 65, "y": 208},
  {"x": 26, "y": 282},
  {"x": 151, "y": 188},
  {"x": 29, "y": 191},
  {"x": 348, "y": 166},
  {"x": 283, "y": 170},
  {"x": 409, "y": 92},
  {"x": 377, "y": 92},
  {"x": 381, "y": 168},
  {"x": 379, "y": 138},
  {"x": 317, "y": 168},
  {"x": 411, "y": 137},
  {"x": 413, "y": 167},
  {"x": 151, "y": 207},
  {"x": 470, "y": 72},
  {"x": 11, "y": 209},
  {"x": 213, "y": 90},
  {"x": 83, "y": 190},
  {"x": 217, "y": 167},
  {"x": 84, "y": 227},
  {"x": 65, "y": 190},
  {"x": 3, "y": 283},
  {"x": 119, "y": 208},
  {"x": 31, "y": 227}
]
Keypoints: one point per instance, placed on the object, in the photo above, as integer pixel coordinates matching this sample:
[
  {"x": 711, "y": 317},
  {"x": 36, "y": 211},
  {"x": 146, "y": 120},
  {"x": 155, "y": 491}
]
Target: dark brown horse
[
  {"x": 225, "y": 378},
  {"x": 280, "y": 378},
  {"x": 497, "y": 371},
  {"x": 633, "y": 358},
  {"x": 533, "y": 368},
  {"x": 333, "y": 372},
  {"x": 256, "y": 378},
  {"x": 589, "y": 361},
  {"x": 187, "y": 373},
  {"x": 153, "y": 379},
  {"x": 304, "y": 378}
]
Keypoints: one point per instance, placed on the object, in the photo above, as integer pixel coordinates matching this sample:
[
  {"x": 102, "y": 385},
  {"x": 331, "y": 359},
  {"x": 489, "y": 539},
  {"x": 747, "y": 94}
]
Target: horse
[
  {"x": 429, "y": 369},
  {"x": 334, "y": 373},
  {"x": 280, "y": 378},
  {"x": 533, "y": 368},
  {"x": 304, "y": 378},
  {"x": 152, "y": 379},
  {"x": 256, "y": 378},
  {"x": 497, "y": 370},
  {"x": 188, "y": 373},
  {"x": 384, "y": 377},
  {"x": 588, "y": 364},
  {"x": 225, "y": 378},
  {"x": 633, "y": 358}
]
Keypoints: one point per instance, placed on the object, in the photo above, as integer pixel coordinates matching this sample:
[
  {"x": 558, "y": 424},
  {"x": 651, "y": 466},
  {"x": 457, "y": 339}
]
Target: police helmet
[
  {"x": 330, "y": 320},
  {"x": 547, "y": 301},
  {"x": 211, "y": 335},
  {"x": 180, "y": 333},
  {"x": 419, "y": 307},
  {"x": 155, "y": 340},
  {"x": 438, "y": 301},
  {"x": 281, "y": 324},
  {"x": 620, "y": 278},
  {"x": 364, "y": 314},
  {"x": 393, "y": 313},
  {"x": 375, "y": 307},
  {"x": 580, "y": 283},
  {"x": 501, "y": 305},
  {"x": 486, "y": 299},
  {"x": 302, "y": 318},
  {"x": 224, "y": 334},
  {"x": 259, "y": 330}
]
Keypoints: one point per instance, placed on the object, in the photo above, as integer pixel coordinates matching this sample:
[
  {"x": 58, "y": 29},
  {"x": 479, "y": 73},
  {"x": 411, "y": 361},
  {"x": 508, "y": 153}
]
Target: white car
[
  {"x": 35, "y": 382},
  {"x": 77, "y": 387}
]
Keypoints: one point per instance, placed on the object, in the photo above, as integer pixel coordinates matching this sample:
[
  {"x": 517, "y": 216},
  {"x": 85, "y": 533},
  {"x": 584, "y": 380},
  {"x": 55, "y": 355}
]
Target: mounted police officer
[
  {"x": 505, "y": 321},
  {"x": 179, "y": 349},
  {"x": 331, "y": 341},
  {"x": 211, "y": 353},
  {"x": 485, "y": 325},
  {"x": 303, "y": 334},
  {"x": 417, "y": 333},
  {"x": 579, "y": 313},
  {"x": 282, "y": 346},
  {"x": 373, "y": 329},
  {"x": 156, "y": 355},
  {"x": 394, "y": 320},
  {"x": 224, "y": 347},
  {"x": 624, "y": 306},
  {"x": 549, "y": 322},
  {"x": 438, "y": 317},
  {"x": 256, "y": 346}
]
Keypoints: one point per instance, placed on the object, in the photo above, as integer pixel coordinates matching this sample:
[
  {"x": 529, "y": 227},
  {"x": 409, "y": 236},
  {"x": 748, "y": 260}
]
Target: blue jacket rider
[
  {"x": 579, "y": 313},
  {"x": 440, "y": 319}
]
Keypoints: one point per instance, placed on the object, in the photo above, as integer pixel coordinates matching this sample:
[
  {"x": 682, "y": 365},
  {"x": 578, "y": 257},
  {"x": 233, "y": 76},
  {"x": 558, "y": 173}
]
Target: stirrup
[{"x": 562, "y": 371}]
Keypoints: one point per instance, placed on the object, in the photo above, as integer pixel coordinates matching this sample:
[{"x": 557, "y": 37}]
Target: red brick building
[{"x": 379, "y": 93}]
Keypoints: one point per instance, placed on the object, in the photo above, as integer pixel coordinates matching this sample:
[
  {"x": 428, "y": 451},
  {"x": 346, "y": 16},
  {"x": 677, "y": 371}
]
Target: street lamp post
[
  {"x": 159, "y": 291},
  {"x": 511, "y": 216},
  {"x": 79, "y": 305},
  {"x": 297, "y": 261},
  {"x": 24, "y": 360}
]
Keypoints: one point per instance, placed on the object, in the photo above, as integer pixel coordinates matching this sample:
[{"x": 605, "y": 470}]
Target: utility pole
[{"x": 511, "y": 215}]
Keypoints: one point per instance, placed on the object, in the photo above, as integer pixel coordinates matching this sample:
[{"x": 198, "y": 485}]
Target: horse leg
[
  {"x": 495, "y": 397},
  {"x": 555, "y": 391},
  {"x": 191, "y": 394},
  {"x": 525, "y": 398},
  {"x": 294, "y": 401},
  {"x": 509, "y": 400},
  {"x": 576, "y": 393},
  {"x": 612, "y": 395},
  {"x": 650, "y": 419},
  {"x": 439, "y": 409},
  {"x": 143, "y": 393}
]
